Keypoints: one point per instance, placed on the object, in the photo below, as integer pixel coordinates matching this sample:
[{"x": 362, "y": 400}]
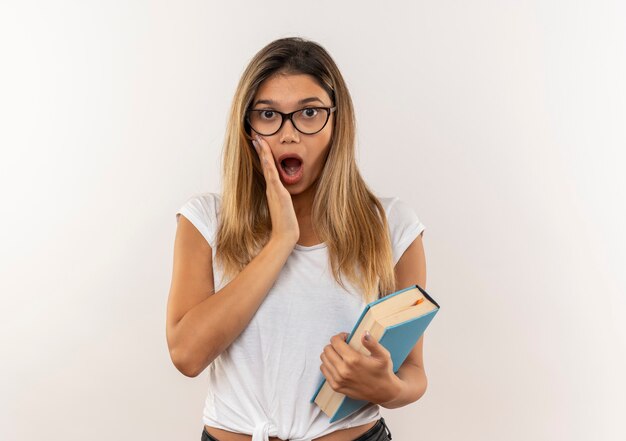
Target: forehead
[{"x": 287, "y": 89}]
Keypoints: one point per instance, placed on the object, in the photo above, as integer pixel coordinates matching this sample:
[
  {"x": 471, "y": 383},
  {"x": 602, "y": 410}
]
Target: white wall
[{"x": 502, "y": 122}]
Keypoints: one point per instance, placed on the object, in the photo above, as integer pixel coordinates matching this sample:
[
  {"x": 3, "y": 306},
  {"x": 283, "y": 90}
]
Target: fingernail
[
  {"x": 367, "y": 335},
  {"x": 255, "y": 144},
  {"x": 257, "y": 137}
]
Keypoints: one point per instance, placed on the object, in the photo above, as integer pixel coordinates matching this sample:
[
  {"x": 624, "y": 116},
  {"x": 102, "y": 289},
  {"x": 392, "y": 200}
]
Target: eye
[
  {"x": 310, "y": 112},
  {"x": 267, "y": 114}
]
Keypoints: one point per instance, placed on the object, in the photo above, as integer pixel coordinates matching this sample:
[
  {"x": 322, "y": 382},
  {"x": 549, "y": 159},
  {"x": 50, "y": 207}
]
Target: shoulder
[
  {"x": 205, "y": 200},
  {"x": 398, "y": 211},
  {"x": 404, "y": 224},
  {"x": 387, "y": 202},
  {"x": 205, "y": 204},
  {"x": 202, "y": 210}
]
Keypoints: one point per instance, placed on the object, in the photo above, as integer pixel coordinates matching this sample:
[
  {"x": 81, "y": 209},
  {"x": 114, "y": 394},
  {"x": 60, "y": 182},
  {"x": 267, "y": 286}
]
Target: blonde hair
[{"x": 345, "y": 215}]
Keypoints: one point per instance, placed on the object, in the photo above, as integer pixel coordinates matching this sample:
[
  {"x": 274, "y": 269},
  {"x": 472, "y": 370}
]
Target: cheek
[
  {"x": 321, "y": 156},
  {"x": 325, "y": 140}
]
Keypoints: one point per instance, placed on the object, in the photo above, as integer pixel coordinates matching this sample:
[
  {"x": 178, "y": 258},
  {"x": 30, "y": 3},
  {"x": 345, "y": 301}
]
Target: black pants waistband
[{"x": 378, "y": 432}]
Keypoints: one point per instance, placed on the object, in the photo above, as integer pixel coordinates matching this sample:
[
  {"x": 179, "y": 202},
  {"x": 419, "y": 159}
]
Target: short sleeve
[
  {"x": 201, "y": 210},
  {"x": 404, "y": 227}
]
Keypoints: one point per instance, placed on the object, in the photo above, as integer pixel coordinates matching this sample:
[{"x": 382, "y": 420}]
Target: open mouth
[
  {"x": 291, "y": 169},
  {"x": 291, "y": 166}
]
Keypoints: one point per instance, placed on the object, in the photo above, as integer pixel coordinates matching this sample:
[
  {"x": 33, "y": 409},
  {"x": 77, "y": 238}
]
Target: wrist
[
  {"x": 395, "y": 389},
  {"x": 283, "y": 244}
]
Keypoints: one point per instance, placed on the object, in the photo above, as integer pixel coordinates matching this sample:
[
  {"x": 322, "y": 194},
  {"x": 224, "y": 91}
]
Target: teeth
[{"x": 292, "y": 170}]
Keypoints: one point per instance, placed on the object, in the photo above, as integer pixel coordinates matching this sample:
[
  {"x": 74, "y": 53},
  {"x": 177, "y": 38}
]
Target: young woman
[{"x": 271, "y": 274}]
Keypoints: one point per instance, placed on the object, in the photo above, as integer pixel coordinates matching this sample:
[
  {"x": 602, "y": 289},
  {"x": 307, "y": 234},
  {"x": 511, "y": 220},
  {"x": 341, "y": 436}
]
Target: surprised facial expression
[{"x": 306, "y": 154}]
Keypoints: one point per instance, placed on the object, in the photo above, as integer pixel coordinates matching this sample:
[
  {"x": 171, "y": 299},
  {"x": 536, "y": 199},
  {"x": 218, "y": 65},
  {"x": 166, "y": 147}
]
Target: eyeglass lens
[{"x": 268, "y": 121}]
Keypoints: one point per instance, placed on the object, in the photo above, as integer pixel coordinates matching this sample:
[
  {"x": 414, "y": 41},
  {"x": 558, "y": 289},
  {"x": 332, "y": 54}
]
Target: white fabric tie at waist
[{"x": 261, "y": 432}]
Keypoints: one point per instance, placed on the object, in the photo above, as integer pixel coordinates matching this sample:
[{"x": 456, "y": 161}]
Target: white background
[{"x": 501, "y": 122}]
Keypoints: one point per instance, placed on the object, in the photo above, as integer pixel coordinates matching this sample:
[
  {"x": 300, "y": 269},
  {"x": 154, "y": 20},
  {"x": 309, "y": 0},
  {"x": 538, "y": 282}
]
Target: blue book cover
[{"x": 398, "y": 339}]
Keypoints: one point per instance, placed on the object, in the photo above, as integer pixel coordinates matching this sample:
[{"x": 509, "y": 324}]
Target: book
[{"x": 396, "y": 321}]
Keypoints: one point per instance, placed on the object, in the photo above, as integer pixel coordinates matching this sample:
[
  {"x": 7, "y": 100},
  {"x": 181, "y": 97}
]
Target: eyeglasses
[{"x": 309, "y": 121}]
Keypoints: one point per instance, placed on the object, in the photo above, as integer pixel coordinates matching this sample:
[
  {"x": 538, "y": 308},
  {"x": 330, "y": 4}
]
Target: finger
[
  {"x": 374, "y": 347},
  {"x": 331, "y": 370},
  {"x": 329, "y": 378},
  {"x": 339, "y": 344},
  {"x": 268, "y": 157},
  {"x": 262, "y": 159},
  {"x": 331, "y": 355}
]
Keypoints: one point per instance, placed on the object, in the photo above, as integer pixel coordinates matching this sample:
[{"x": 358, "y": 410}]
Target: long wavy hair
[{"x": 346, "y": 215}]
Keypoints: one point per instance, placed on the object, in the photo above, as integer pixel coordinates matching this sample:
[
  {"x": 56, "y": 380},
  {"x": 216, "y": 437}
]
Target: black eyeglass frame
[{"x": 285, "y": 116}]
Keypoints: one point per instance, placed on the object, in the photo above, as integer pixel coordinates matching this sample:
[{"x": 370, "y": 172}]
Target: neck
[
  {"x": 303, "y": 202},
  {"x": 302, "y": 205}
]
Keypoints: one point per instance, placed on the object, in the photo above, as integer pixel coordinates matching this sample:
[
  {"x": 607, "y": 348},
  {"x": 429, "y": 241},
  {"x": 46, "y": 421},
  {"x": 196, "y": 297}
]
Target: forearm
[
  {"x": 207, "y": 329},
  {"x": 413, "y": 384}
]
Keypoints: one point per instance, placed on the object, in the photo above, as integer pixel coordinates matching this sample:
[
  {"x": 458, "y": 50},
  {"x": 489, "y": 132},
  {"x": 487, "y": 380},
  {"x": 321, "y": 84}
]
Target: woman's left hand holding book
[{"x": 360, "y": 376}]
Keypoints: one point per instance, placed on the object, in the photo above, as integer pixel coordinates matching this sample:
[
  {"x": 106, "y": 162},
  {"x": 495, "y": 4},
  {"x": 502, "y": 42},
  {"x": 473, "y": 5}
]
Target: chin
[
  {"x": 302, "y": 186},
  {"x": 296, "y": 189}
]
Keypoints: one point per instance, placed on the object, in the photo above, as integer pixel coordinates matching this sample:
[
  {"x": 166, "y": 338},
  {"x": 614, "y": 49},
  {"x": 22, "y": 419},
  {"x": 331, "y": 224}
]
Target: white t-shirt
[{"x": 263, "y": 382}]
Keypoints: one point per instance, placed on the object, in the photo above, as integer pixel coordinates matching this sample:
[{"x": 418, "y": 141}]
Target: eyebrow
[{"x": 304, "y": 101}]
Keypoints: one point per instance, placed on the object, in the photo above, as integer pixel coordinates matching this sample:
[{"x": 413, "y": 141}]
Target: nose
[{"x": 289, "y": 132}]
